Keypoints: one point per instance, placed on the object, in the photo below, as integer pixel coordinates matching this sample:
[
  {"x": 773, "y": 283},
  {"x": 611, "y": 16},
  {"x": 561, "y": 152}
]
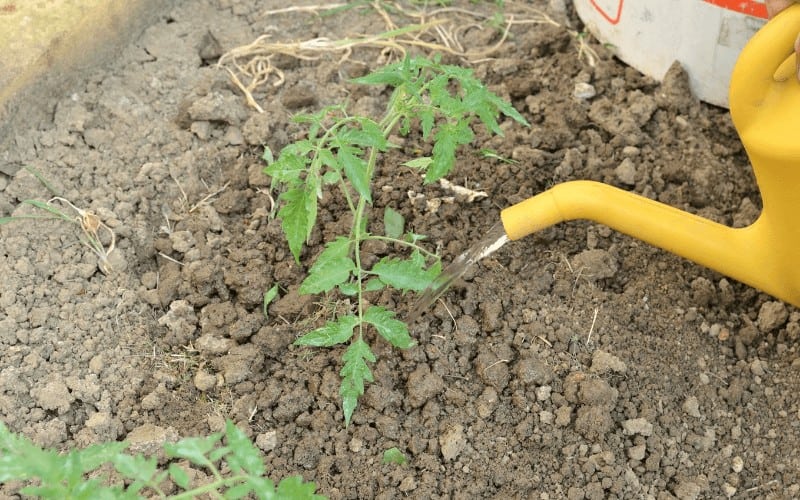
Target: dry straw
[{"x": 441, "y": 30}]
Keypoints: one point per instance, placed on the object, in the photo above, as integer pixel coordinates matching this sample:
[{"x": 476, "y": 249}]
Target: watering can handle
[{"x": 766, "y": 64}]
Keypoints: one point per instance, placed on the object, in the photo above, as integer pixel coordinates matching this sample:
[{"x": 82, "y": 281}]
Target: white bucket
[{"x": 705, "y": 36}]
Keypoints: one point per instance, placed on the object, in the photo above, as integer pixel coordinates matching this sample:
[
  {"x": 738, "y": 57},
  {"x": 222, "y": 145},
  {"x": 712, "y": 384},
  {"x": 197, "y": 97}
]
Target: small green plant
[
  {"x": 394, "y": 456},
  {"x": 269, "y": 296},
  {"x": 343, "y": 151},
  {"x": 50, "y": 474}
]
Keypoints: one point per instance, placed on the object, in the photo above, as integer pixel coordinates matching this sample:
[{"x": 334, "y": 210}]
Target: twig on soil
[
  {"x": 455, "y": 325},
  {"x": 495, "y": 364},
  {"x": 591, "y": 328},
  {"x": 170, "y": 258},
  {"x": 205, "y": 199}
]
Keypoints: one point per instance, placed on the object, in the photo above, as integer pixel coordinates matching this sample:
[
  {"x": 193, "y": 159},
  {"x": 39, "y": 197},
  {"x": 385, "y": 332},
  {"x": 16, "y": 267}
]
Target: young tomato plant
[
  {"x": 343, "y": 151},
  {"x": 83, "y": 473}
]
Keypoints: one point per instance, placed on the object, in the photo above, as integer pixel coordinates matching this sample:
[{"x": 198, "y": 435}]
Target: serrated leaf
[
  {"x": 238, "y": 491},
  {"x": 334, "y": 332},
  {"x": 394, "y": 456},
  {"x": 393, "y": 223},
  {"x": 294, "y": 487},
  {"x": 441, "y": 97},
  {"x": 137, "y": 468},
  {"x": 406, "y": 274},
  {"x": 331, "y": 177},
  {"x": 373, "y": 285},
  {"x": 355, "y": 169},
  {"x": 387, "y": 75},
  {"x": 268, "y": 156},
  {"x": 178, "y": 475},
  {"x": 426, "y": 120},
  {"x": 218, "y": 453},
  {"x": 421, "y": 163},
  {"x": 193, "y": 449},
  {"x": 391, "y": 329},
  {"x": 96, "y": 455},
  {"x": 447, "y": 138},
  {"x": 294, "y": 220},
  {"x": 288, "y": 168},
  {"x": 269, "y": 296},
  {"x": 332, "y": 267},
  {"x": 369, "y": 135},
  {"x": 244, "y": 454},
  {"x": 354, "y": 373},
  {"x": 263, "y": 488},
  {"x": 349, "y": 289},
  {"x": 327, "y": 158},
  {"x": 507, "y": 109}
]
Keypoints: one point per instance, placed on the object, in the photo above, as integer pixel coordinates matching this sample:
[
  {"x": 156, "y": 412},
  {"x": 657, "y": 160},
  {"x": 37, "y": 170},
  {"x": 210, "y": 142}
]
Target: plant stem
[
  {"x": 210, "y": 488},
  {"x": 358, "y": 218},
  {"x": 404, "y": 243}
]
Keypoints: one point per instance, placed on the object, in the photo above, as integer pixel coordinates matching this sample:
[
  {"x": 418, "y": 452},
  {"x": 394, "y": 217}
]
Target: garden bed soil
[{"x": 575, "y": 363}]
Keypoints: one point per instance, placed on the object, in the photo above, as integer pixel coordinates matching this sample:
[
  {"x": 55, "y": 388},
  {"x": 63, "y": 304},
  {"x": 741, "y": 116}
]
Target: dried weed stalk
[{"x": 439, "y": 30}]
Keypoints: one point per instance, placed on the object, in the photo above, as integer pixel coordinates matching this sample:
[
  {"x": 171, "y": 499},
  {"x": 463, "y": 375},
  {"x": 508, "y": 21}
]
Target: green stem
[
  {"x": 428, "y": 254},
  {"x": 211, "y": 487},
  {"x": 358, "y": 221}
]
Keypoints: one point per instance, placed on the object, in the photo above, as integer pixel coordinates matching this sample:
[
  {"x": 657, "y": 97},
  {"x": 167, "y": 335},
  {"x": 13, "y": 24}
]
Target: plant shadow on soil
[{"x": 576, "y": 363}]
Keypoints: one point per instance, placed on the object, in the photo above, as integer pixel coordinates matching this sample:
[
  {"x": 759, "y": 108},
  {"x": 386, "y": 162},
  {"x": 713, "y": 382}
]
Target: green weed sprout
[
  {"x": 50, "y": 474},
  {"x": 343, "y": 151}
]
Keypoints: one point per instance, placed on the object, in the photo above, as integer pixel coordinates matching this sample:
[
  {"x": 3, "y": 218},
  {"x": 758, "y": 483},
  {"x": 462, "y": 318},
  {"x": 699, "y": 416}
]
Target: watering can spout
[
  {"x": 733, "y": 252},
  {"x": 764, "y": 104}
]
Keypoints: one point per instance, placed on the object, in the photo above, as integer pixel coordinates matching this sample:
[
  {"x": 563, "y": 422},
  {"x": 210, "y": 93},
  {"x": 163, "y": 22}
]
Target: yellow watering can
[{"x": 765, "y": 107}]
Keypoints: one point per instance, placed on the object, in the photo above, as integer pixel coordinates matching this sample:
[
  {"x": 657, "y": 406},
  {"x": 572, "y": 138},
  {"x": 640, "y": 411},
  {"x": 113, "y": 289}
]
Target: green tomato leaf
[
  {"x": 178, "y": 475},
  {"x": 421, "y": 163},
  {"x": 331, "y": 177},
  {"x": 332, "y": 267},
  {"x": 355, "y": 169},
  {"x": 287, "y": 169},
  {"x": 193, "y": 449},
  {"x": 447, "y": 138},
  {"x": 96, "y": 455},
  {"x": 354, "y": 373},
  {"x": 137, "y": 468},
  {"x": 394, "y": 456},
  {"x": 327, "y": 158},
  {"x": 269, "y": 296},
  {"x": 393, "y": 223},
  {"x": 334, "y": 332},
  {"x": 295, "y": 219},
  {"x": 406, "y": 274},
  {"x": 369, "y": 135},
  {"x": 387, "y": 75},
  {"x": 238, "y": 491},
  {"x": 393, "y": 330},
  {"x": 263, "y": 488},
  {"x": 244, "y": 456},
  {"x": 349, "y": 289},
  {"x": 294, "y": 487},
  {"x": 268, "y": 157},
  {"x": 373, "y": 285},
  {"x": 426, "y": 119}
]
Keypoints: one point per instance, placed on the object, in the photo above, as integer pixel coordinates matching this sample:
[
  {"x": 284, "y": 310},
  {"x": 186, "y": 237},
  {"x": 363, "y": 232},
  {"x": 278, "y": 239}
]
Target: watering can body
[{"x": 765, "y": 107}]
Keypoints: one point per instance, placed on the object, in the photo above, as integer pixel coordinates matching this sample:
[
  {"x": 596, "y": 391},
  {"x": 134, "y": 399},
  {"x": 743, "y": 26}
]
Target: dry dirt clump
[{"x": 576, "y": 363}]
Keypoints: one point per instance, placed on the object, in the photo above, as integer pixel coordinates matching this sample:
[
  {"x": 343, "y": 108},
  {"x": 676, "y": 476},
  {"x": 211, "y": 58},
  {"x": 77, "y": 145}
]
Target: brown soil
[{"x": 578, "y": 363}]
